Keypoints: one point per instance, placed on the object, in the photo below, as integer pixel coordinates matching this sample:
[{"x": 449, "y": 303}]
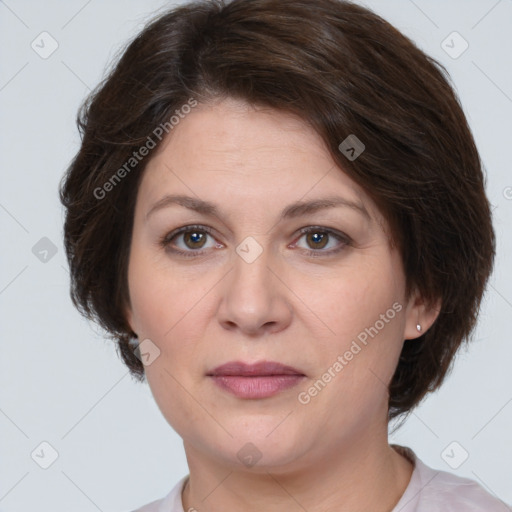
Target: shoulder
[
  {"x": 453, "y": 493},
  {"x": 170, "y": 503},
  {"x": 433, "y": 490}
]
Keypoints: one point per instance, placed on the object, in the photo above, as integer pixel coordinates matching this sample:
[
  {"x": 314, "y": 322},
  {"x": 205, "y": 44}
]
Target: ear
[{"x": 419, "y": 313}]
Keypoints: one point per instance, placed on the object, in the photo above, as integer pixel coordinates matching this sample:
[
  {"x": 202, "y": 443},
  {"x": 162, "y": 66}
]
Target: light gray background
[{"x": 62, "y": 383}]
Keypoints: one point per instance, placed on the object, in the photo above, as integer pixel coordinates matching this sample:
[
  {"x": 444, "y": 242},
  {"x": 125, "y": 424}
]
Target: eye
[
  {"x": 193, "y": 240},
  {"x": 318, "y": 238}
]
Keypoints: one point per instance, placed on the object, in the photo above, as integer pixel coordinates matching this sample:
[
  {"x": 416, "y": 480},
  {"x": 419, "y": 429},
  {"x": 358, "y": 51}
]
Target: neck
[{"x": 359, "y": 477}]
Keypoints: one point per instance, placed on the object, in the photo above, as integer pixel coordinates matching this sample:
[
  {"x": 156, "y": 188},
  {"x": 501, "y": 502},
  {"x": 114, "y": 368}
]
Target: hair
[{"x": 343, "y": 70}]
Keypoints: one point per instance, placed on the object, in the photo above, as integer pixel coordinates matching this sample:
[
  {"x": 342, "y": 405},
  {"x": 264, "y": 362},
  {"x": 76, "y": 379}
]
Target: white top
[{"x": 429, "y": 490}]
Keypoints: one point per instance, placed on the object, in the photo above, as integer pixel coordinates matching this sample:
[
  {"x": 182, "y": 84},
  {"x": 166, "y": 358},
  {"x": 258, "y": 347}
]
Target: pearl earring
[{"x": 418, "y": 327}]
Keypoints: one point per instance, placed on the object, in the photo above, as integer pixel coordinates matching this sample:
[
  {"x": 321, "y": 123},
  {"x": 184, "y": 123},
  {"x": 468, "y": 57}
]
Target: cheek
[
  {"x": 159, "y": 300},
  {"x": 167, "y": 308},
  {"x": 354, "y": 300},
  {"x": 364, "y": 311},
  {"x": 149, "y": 309}
]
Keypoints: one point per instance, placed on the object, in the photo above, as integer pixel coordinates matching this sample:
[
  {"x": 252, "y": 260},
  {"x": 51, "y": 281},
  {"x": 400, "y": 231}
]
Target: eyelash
[{"x": 166, "y": 240}]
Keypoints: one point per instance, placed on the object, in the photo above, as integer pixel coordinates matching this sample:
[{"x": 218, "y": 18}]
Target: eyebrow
[{"x": 293, "y": 210}]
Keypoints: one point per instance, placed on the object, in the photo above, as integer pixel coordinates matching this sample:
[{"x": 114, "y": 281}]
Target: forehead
[
  {"x": 229, "y": 131},
  {"x": 232, "y": 150}
]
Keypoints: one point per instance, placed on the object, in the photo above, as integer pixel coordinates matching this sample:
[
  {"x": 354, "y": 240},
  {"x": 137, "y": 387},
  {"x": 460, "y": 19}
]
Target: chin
[{"x": 258, "y": 450}]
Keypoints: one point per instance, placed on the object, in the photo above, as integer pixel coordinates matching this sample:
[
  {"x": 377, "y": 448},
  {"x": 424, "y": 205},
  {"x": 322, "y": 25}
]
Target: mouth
[{"x": 255, "y": 381}]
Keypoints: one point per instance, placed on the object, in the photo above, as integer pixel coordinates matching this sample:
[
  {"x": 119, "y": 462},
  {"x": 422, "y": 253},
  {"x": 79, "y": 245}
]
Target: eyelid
[
  {"x": 165, "y": 241},
  {"x": 345, "y": 240},
  {"x": 185, "y": 229},
  {"x": 324, "y": 229}
]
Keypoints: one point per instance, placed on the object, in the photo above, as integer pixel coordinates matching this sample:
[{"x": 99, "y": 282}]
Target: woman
[{"x": 278, "y": 210}]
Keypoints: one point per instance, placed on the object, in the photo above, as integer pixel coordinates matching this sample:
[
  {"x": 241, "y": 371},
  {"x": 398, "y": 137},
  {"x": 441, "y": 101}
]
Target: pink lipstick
[{"x": 254, "y": 381}]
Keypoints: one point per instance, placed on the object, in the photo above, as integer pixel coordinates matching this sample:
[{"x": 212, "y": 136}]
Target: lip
[
  {"x": 254, "y": 381},
  {"x": 260, "y": 369}
]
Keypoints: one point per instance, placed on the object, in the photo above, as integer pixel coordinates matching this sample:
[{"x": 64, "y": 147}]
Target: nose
[{"x": 254, "y": 301}]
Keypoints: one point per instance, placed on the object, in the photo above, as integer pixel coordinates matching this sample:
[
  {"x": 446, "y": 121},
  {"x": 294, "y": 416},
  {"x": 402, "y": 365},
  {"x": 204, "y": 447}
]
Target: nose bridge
[
  {"x": 253, "y": 298},
  {"x": 252, "y": 278}
]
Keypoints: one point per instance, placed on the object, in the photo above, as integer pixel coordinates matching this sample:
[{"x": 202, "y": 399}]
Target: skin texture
[{"x": 286, "y": 306}]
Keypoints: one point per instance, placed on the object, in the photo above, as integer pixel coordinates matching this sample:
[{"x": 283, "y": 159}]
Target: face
[{"x": 258, "y": 276}]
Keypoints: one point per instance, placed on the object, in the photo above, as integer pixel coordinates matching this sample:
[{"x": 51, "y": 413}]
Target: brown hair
[{"x": 342, "y": 69}]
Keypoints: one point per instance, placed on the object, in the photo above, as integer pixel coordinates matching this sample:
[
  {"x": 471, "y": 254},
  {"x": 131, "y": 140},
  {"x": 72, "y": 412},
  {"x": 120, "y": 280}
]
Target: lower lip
[{"x": 256, "y": 387}]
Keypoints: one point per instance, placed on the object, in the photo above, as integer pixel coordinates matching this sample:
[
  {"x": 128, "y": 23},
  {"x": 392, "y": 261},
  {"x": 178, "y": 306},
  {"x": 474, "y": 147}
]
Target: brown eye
[
  {"x": 317, "y": 239},
  {"x": 194, "y": 239},
  {"x": 189, "y": 241}
]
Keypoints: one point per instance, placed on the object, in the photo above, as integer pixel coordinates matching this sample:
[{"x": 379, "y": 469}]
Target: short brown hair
[{"x": 342, "y": 69}]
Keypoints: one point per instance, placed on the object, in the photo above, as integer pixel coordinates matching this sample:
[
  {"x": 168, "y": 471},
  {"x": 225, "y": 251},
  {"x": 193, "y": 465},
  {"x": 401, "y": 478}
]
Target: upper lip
[{"x": 262, "y": 368}]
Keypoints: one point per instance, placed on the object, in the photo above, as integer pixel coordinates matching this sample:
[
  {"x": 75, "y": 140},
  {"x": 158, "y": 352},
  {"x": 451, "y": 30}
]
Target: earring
[{"x": 418, "y": 327}]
